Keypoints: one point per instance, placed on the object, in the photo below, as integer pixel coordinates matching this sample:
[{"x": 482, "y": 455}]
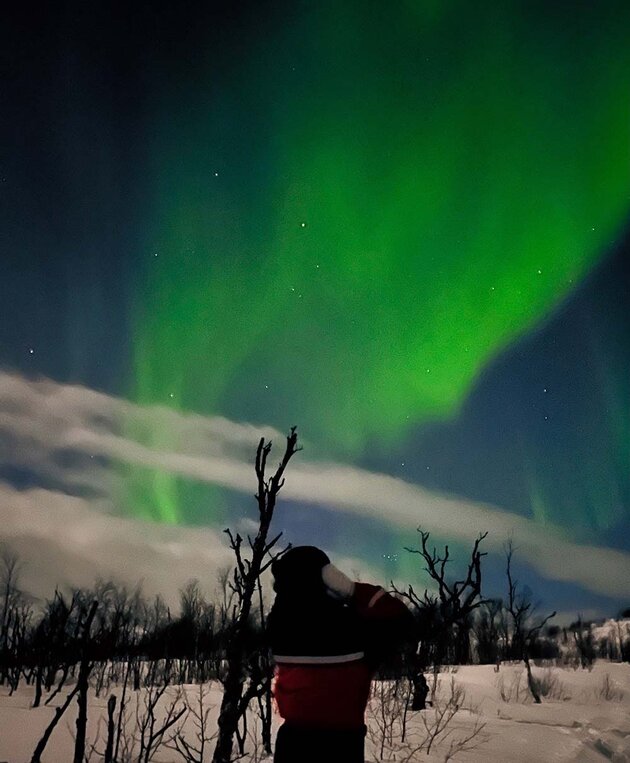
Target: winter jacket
[{"x": 326, "y": 652}]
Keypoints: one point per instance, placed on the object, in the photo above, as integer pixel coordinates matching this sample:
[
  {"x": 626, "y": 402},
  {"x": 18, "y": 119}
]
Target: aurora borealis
[
  {"x": 402, "y": 227},
  {"x": 421, "y": 192}
]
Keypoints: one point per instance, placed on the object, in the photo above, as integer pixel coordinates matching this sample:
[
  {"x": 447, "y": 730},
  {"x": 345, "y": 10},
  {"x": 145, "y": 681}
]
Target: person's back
[{"x": 326, "y": 634}]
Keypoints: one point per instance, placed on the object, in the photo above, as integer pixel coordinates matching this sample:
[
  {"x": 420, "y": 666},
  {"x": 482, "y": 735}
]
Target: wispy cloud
[
  {"x": 41, "y": 422},
  {"x": 67, "y": 540}
]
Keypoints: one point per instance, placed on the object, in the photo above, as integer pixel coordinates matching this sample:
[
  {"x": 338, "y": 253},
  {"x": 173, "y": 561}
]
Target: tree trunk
[
  {"x": 420, "y": 691},
  {"x": 85, "y": 668},
  {"x": 38, "y": 686},
  {"x": 111, "y": 729},
  {"x": 59, "y": 711},
  {"x": 531, "y": 681},
  {"x": 266, "y": 716},
  {"x": 229, "y": 714},
  {"x": 246, "y": 576}
]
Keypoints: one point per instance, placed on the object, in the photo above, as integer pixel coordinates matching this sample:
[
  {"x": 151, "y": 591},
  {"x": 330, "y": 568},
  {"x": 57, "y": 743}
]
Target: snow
[
  {"x": 584, "y": 717},
  {"x": 576, "y": 723}
]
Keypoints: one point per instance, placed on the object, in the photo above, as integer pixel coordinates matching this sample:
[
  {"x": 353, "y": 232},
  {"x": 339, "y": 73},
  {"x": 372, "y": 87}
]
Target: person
[{"x": 327, "y": 635}]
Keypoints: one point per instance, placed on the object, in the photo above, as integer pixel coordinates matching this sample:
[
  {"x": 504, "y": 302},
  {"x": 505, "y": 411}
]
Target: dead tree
[
  {"x": 151, "y": 731},
  {"x": 244, "y": 584},
  {"x": 9, "y": 592},
  {"x": 111, "y": 728},
  {"x": 79, "y": 687},
  {"x": 444, "y": 619},
  {"x": 264, "y": 698},
  {"x": 120, "y": 724},
  {"x": 194, "y": 751},
  {"x": 85, "y": 667},
  {"x": 524, "y": 631},
  {"x": 584, "y": 643},
  {"x": 56, "y": 621},
  {"x": 487, "y": 627},
  {"x": 14, "y": 616}
]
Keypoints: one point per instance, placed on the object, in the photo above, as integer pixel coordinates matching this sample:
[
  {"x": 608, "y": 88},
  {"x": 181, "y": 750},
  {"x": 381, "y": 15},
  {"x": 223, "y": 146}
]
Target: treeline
[{"x": 39, "y": 643}]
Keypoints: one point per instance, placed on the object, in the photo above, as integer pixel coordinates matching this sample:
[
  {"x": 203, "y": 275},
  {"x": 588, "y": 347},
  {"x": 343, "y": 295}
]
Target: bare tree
[
  {"x": 524, "y": 628},
  {"x": 244, "y": 583},
  {"x": 265, "y": 668},
  {"x": 487, "y": 628},
  {"x": 386, "y": 709},
  {"x": 9, "y": 587},
  {"x": 391, "y": 741},
  {"x": 15, "y": 616},
  {"x": 584, "y": 642},
  {"x": 120, "y": 737},
  {"x": 55, "y": 637},
  {"x": 444, "y": 619},
  {"x": 59, "y": 711},
  {"x": 85, "y": 667},
  {"x": 111, "y": 729},
  {"x": 151, "y": 728},
  {"x": 193, "y": 751}
]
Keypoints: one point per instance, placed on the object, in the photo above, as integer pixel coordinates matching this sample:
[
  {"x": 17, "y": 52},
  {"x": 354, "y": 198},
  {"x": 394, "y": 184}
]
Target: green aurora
[{"x": 353, "y": 216}]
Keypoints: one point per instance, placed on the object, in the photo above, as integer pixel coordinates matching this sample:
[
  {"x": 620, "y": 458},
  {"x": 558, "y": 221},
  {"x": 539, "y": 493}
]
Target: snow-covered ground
[{"x": 584, "y": 717}]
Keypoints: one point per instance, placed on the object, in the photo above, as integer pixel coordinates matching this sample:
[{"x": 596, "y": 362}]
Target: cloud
[
  {"x": 43, "y": 423},
  {"x": 66, "y": 540}
]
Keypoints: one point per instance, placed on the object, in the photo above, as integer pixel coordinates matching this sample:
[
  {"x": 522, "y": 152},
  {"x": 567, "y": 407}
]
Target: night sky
[{"x": 403, "y": 227}]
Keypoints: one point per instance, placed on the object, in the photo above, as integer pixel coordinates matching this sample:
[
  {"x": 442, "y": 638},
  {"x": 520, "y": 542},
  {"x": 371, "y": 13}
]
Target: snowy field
[{"x": 585, "y": 717}]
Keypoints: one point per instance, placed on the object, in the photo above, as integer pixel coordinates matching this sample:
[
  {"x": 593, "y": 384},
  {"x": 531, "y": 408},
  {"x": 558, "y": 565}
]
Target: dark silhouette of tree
[
  {"x": 524, "y": 628},
  {"x": 487, "y": 629},
  {"x": 80, "y": 689},
  {"x": 443, "y": 619},
  {"x": 244, "y": 584}
]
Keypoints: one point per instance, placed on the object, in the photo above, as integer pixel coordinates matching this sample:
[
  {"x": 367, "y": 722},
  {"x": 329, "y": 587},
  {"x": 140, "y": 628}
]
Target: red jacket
[{"x": 325, "y": 689}]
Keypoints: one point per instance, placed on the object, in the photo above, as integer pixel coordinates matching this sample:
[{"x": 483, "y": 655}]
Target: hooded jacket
[{"x": 326, "y": 651}]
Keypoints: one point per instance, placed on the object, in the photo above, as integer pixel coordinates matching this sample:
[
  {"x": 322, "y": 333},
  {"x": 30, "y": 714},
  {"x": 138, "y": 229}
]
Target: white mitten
[{"x": 338, "y": 585}]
